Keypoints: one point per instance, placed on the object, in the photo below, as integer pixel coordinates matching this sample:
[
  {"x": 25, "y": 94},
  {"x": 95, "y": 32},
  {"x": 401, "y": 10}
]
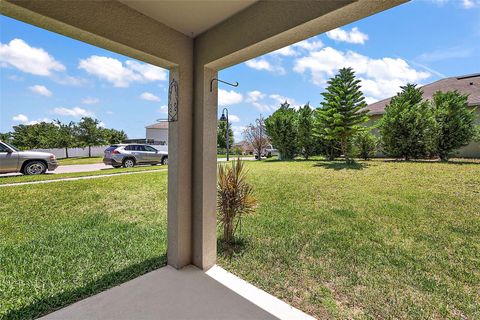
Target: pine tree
[
  {"x": 282, "y": 129},
  {"x": 305, "y": 138},
  {"x": 455, "y": 123},
  {"x": 342, "y": 110},
  {"x": 221, "y": 133},
  {"x": 408, "y": 127}
]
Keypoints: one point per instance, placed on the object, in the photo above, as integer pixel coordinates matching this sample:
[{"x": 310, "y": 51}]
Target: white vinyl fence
[{"x": 97, "y": 151}]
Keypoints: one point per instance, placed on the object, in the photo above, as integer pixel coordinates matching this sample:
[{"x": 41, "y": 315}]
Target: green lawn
[
  {"x": 23, "y": 178},
  {"x": 371, "y": 240},
  {"x": 67, "y": 240},
  {"x": 80, "y": 160}
]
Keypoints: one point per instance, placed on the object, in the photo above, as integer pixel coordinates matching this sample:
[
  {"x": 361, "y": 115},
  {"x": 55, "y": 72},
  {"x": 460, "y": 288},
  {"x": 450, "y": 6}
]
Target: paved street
[{"x": 94, "y": 167}]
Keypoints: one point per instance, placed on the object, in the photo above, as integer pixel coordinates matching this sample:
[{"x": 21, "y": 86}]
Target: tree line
[
  {"x": 411, "y": 128},
  {"x": 46, "y": 135}
]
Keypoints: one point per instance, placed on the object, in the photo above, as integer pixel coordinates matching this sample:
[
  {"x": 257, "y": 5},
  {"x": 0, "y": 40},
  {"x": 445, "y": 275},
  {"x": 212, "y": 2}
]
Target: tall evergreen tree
[
  {"x": 305, "y": 138},
  {"x": 455, "y": 123},
  {"x": 282, "y": 129},
  {"x": 408, "y": 127},
  {"x": 221, "y": 132},
  {"x": 342, "y": 110}
]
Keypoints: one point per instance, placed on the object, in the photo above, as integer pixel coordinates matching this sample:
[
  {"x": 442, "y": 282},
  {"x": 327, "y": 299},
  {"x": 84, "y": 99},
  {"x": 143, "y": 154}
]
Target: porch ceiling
[{"x": 190, "y": 17}]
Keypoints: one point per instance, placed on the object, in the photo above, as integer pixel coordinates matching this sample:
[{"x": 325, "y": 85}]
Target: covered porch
[{"x": 194, "y": 40}]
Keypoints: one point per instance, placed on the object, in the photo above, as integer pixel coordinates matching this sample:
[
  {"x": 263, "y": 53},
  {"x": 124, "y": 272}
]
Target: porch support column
[
  {"x": 180, "y": 172},
  {"x": 204, "y": 168}
]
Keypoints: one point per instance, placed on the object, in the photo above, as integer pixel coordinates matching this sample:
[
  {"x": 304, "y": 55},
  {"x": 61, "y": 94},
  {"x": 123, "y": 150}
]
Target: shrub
[
  {"x": 408, "y": 128},
  {"x": 365, "y": 144},
  {"x": 282, "y": 129},
  {"x": 234, "y": 198},
  {"x": 455, "y": 123},
  {"x": 305, "y": 138}
]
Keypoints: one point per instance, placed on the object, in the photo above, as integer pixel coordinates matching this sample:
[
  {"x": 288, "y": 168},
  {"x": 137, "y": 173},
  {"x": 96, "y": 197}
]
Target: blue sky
[{"x": 47, "y": 76}]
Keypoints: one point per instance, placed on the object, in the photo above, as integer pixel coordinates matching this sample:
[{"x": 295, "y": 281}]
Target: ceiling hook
[{"x": 230, "y": 84}]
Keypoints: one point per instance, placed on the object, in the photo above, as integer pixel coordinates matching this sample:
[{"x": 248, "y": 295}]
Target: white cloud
[
  {"x": 228, "y": 97},
  {"x": 255, "y": 98},
  {"x": 269, "y": 103},
  {"x": 352, "y": 36},
  {"x": 149, "y": 96},
  {"x": 23, "y": 119},
  {"x": 466, "y": 4},
  {"x": 381, "y": 78},
  {"x": 89, "y": 100},
  {"x": 163, "y": 109},
  {"x": 281, "y": 99},
  {"x": 102, "y": 124},
  {"x": 233, "y": 118},
  {"x": 296, "y": 48},
  {"x": 469, "y": 4},
  {"x": 19, "y": 54},
  {"x": 287, "y": 51},
  {"x": 148, "y": 71},
  {"x": 238, "y": 133},
  {"x": 20, "y": 118},
  {"x": 119, "y": 74},
  {"x": 41, "y": 90},
  {"x": 109, "y": 112},
  {"x": 73, "y": 112},
  {"x": 309, "y": 44},
  {"x": 263, "y": 64}
]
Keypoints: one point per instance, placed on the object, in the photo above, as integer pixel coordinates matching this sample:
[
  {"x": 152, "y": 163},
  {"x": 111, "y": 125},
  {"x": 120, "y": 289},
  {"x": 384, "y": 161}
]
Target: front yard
[{"x": 372, "y": 240}]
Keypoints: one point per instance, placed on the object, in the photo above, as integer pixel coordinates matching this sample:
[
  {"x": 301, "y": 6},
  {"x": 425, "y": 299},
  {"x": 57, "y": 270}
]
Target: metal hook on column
[{"x": 230, "y": 84}]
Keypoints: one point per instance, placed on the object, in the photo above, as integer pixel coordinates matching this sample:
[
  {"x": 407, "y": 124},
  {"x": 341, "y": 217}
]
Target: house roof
[
  {"x": 467, "y": 84},
  {"x": 159, "y": 125}
]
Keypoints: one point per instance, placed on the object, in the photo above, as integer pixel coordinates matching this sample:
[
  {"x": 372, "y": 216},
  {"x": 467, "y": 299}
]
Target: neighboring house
[
  {"x": 158, "y": 133},
  {"x": 244, "y": 146},
  {"x": 468, "y": 84}
]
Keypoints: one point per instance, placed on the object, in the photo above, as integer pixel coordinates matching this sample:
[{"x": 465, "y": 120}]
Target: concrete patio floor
[{"x": 189, "y": 293}]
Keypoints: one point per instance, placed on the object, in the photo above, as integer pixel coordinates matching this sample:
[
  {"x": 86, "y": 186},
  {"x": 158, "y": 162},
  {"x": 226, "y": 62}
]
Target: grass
[
  {"x": 371, "y": 240},
  {"x": 43, "y": 177},
  {"x": 374, "y": 240},
  {"x": 69, "y": 240},
  {"x": 80, "y": 160}
]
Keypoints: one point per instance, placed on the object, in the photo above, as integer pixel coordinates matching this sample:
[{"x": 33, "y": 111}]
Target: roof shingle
[{"x": 468, "y": 84}]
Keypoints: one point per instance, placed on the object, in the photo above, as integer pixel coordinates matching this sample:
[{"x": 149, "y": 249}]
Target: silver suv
[
  {"x": 26, "y": 162},
  {"x": 129, "y": 155}
]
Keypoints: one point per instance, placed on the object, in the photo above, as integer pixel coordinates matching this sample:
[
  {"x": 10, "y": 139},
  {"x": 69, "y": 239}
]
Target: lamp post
[
  {"x": 259, "y": 123},
  {"x": 224, "y": 117}
]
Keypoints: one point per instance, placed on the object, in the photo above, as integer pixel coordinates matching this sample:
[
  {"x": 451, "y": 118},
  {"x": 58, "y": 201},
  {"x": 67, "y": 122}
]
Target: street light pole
[
  {"x": 259, "y": 123},
  {"x": 224, "y": 117}
]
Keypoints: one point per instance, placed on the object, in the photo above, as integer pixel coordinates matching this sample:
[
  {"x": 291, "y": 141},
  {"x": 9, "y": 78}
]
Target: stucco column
[
  {"x": 204, "y": 168},
  {"x": 180, "y": 172}
]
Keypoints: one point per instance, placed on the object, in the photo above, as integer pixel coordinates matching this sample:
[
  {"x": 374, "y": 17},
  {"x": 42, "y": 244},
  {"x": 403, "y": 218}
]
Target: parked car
[
  {"x": 268, "y": 152},
  {"x": 26, "y": 162},
  {"x": 129, "y": 155}
]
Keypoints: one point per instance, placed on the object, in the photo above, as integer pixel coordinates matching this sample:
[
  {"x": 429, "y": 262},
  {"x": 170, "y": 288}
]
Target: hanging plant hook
[{"x": 230, "y": 84}]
